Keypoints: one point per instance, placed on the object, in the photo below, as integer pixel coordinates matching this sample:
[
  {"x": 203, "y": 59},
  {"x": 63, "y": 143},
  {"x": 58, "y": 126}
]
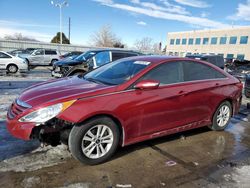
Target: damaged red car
[{"x": 124, "y": 102}]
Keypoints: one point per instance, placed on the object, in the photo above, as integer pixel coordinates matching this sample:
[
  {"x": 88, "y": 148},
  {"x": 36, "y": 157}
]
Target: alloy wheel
[
  {"x": 223, "y": 116},
  {"x": 97, "y": 141}
]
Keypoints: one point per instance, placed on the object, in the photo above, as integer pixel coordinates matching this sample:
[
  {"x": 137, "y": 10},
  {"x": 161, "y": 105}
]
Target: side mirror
[{"x": 147, "y": 84}]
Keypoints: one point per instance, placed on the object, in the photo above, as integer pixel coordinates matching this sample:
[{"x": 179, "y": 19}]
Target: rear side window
[
  {"x": 167, "y": 73},
  {"x": 3, "y": 55},
  {"x": 50, "y": 52},
  {"x": 118, "y": 55},
  {"x": 197, "y": 71}
]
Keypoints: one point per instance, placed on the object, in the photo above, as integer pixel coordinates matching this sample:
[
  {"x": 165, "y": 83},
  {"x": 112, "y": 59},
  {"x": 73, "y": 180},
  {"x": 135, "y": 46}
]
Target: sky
[{"x": 129, "y": 19}]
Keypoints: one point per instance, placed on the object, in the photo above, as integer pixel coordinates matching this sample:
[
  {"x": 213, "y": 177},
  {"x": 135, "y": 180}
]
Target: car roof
[
  {"x": 202, "y": 55},
  {"x": 113, "y": 50},
  {"x": 155, "y": 58}
]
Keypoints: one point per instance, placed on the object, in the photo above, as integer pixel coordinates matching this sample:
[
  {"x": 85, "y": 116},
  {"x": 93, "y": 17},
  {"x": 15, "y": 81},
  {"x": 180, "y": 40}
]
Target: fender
[{"x": 78, "y": 68}]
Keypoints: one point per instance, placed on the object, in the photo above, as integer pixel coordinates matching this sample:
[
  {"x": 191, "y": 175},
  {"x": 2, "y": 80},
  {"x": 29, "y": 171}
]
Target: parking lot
[{"x": 196, "y": 158}]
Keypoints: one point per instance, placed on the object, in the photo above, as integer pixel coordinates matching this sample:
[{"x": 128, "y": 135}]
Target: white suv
[
  {"x": 11, "y": 63},
  {"x": 42, "y": 57}
]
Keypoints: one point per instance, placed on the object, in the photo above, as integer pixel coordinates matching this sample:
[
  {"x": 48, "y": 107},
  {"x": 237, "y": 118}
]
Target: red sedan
[{"x": 125, "y": 102}]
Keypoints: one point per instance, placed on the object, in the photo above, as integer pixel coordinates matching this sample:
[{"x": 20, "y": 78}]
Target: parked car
[
  {"x": 71, "y": 54},
  {"x": 89, "y": 61},
  {"x": 217, "y": 60},
  {"x": 124, "y": 102},
  {"x": 41, "y": 57},
  {"x": 247, "y": 86},
  {"x": 11, "y": 63}
]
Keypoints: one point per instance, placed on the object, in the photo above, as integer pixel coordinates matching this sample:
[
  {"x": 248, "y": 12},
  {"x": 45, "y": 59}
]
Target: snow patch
[
  {"x": 39, "y": 158},
  {"x": 30, "y": 182},
  {"x": 77, "y": 185},
  {"x": 241, "y": 176}
]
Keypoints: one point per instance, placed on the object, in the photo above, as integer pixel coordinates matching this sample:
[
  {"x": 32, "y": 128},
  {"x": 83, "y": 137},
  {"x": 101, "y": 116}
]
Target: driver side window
[
  {"x": 39, "y": 52},
  {"x": 102, "y": 58}
]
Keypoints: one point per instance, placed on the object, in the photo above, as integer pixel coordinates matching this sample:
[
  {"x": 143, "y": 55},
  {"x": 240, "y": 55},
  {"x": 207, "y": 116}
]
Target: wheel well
[
  {"x": 75, "y": 71},
  {"x": 11, "y": 64},
  {"x": 117, "y": 122},
  {"x": 230, "y": 101}
]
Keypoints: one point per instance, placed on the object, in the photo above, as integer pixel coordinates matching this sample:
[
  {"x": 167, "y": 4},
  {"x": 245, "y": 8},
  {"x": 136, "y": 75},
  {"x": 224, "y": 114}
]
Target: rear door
[{"x": 203, "y": 86}]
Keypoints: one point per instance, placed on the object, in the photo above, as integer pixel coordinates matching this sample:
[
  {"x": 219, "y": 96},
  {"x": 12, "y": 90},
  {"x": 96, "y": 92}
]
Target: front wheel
[
  {"x": 95, "y": 141},
  {"x": 12, "y": 68},
  {"x": 222, "y": 116}
]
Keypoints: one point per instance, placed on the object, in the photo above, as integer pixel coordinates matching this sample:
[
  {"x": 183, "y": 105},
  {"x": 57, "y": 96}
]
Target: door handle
[{"x": 182, "y": 92}]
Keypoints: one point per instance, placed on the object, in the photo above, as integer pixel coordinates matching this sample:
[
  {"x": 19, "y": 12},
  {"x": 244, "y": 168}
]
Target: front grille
[{"x": 16, "y": 109}]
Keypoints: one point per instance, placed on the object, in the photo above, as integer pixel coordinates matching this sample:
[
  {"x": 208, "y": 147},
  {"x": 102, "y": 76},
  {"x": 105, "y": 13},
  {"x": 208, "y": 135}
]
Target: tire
[
  {"x": 221, "y": 117},
  {"x": 12, "y": 68},
  {"x": 85, "y": 149},
  {"x": 53, "y": 61}
]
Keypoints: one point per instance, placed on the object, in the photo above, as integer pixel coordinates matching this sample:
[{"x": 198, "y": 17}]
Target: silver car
[{"x": 42, "y": 57}]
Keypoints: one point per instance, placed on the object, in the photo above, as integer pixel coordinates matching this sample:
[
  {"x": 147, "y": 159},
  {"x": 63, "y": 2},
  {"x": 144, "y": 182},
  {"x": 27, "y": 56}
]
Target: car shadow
[{"x": 122, "y": 151}]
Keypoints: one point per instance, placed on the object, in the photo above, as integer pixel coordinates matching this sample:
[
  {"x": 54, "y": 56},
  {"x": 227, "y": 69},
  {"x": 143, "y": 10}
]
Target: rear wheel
[
  {"x": 12, "y": 68},
  {"x": 95, "y": 141},
  {"x": 222, "y": 116}
]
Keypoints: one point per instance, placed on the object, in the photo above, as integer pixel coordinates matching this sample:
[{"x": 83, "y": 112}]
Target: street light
[{"x": 60, "y": 5}]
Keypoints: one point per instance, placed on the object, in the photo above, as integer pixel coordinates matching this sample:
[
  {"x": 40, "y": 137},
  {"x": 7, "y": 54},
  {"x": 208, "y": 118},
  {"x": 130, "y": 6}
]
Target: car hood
[
  {"x": 67, "y": 62},
  {"x": 68, "y": 88}
]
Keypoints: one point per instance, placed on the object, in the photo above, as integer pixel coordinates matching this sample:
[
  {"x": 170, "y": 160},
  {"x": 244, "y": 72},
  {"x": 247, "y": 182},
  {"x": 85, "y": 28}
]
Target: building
[{"x": 230, "y": 43}]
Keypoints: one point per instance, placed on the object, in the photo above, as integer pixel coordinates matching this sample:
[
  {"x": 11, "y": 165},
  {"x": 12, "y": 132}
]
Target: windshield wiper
[
  {"x": 93, "y": 80},
  {"x": 98, "y": 81}
]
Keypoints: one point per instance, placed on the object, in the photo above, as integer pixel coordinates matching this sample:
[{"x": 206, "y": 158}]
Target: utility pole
[
  {"x": 60, "y": 5},
  {"x": 69, "y": 28}
]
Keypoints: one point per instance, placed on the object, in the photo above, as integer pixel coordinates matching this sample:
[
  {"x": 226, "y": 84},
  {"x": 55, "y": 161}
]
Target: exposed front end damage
[{"x": 53, "y": 132}]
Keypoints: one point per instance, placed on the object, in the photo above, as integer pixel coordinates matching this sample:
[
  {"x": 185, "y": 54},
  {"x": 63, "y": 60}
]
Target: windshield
[
  {"x": 117, "y": 72},
  {"x": 85, "y": 56}
]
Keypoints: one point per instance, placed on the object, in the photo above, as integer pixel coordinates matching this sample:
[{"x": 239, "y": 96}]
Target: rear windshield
[{"x": 117, "y": 72}]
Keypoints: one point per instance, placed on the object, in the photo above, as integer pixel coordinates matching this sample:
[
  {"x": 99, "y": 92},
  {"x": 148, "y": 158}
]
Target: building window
[
  {"x": 223, "y": 40},
  {"x": 178, "y": 41},
  {"x": 240, "y": 57},
  {"x": 230, "y": 56},
  {"x": 184, "y": 41},
  {"x": 205, "y": 41},
  {"x": 243, "y": 39},
  {"x": 172, "y": 42},
  {"x": 214, "y": 40},
  {"x": 190, "y": 41},
  {"x": 198, "y": 41},
  {"x": 233, "y": 40}
]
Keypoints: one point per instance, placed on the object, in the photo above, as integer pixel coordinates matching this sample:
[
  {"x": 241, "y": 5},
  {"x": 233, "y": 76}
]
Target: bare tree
[
  {"x": 19, "y": 36},
  {"x": 106, "y": 38},
  {"x": 144, "y": 44}
]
